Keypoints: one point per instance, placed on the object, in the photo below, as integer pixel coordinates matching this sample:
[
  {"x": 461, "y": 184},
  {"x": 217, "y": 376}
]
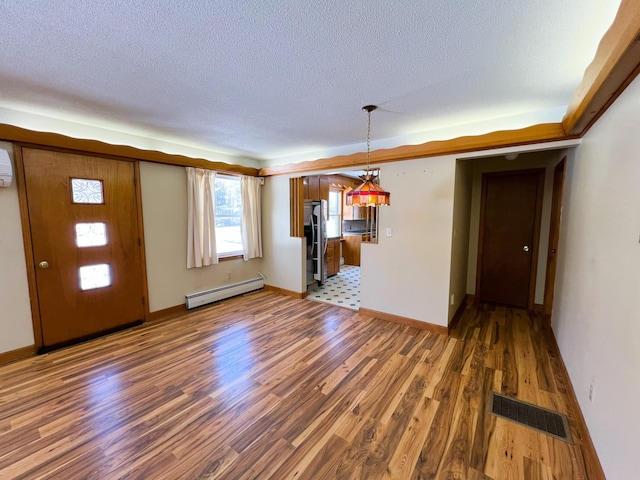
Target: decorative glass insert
[
  {"x": 86, "y": 191},
  {"x": 95, "y": 276},
  {"x": 91, "y": 234}
]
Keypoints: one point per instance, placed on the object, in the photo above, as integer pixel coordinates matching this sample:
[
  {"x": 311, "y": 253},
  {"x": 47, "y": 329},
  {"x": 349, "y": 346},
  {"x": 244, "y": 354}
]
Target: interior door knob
[
  {"x": 44, "y": 264},
  {"x": 525, "y": 248}
]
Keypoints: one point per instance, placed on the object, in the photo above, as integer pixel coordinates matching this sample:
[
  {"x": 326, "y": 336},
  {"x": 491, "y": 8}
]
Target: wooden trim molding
[
  {"x": 537, "y": 308},
  {"x": 296, "y": 207},
  {"x": 283, "y": 291},
  {"x": 166, "y": 314},
  {"x": 12, "y": 133},
  {"x": 17, "y": 354},
  {"x": 547, "y": 132},
  {"x": 28, "y": 248},
  {"x": 615, "y": 65},
  {"x": 467, "y": 300},
  {"x": 141, "y": 241},
  {"x": 535, "y": 248},
  {"x": 409, "y": 322}
]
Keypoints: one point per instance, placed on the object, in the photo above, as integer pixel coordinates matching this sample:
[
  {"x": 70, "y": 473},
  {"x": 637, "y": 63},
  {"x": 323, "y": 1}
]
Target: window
[
  {"x": 228, "y": 216},
  {"x": 335, "y": 206}
]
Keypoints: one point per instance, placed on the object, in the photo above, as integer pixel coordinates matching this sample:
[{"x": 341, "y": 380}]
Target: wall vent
[
  {"x": 216, "y": 294},
  {"x": 546, "y": 421}
]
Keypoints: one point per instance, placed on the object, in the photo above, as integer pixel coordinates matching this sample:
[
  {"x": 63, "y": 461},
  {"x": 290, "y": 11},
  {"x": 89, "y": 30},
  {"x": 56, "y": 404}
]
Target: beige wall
[
  {"x": 164, "y": 211},
  {"x": 596, "y": 317},
  {"x": 544, "y": 159},
  {"x": 164, "y": 205},
  {"x": 460, "y": 235},
  {"x": 16, "y": 330},
  {"x": 407, "y": 274},
  {"x": 284, "y": 256}
]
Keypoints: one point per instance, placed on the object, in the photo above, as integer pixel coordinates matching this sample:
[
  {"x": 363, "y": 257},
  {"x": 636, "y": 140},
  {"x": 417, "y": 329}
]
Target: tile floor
[{"x": 342, "y": 289}]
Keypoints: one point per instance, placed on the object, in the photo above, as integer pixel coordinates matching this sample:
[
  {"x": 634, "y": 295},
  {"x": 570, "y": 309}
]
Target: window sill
[{"x": 230, "y": 257}]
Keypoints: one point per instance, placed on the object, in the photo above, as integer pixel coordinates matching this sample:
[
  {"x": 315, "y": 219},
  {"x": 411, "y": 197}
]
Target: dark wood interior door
[
  {"x": 511, "y": 205},
  {"x": 554, "y": 235},
  {"x": 86, "y": 244}
]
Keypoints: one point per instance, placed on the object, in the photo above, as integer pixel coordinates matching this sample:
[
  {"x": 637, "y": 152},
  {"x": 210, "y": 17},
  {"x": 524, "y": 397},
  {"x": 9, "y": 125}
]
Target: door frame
[
  {"x": 28, "y": 242},
  {"x": 559, "y": 177},
  {"x": 536, "y": 229}
]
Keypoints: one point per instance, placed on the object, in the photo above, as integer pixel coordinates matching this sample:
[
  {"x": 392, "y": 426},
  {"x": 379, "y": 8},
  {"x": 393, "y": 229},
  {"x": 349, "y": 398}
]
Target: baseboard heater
[{"x": 216, "y": 294}]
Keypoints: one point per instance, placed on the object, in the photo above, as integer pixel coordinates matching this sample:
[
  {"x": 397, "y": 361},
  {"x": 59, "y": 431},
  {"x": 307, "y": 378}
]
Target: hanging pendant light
[{"x": 369, "y": 194}]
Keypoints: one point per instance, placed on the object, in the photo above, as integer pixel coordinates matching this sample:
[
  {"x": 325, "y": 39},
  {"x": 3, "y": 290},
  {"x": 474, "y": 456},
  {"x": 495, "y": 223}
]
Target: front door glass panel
[
  {"x": 95, "y": 276},
  {"x": 87, "y": 191},
  {"x": 91, "y": 234}
]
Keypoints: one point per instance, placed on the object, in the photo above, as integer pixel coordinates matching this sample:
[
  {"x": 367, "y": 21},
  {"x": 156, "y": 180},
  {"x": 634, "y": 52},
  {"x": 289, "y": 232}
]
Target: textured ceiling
[{"x": 287, "y": 78}]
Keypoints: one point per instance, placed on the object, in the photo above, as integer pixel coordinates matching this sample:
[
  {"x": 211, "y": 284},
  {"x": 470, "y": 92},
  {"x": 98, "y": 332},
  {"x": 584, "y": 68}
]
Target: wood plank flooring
[{"x": 266, "y": 386}]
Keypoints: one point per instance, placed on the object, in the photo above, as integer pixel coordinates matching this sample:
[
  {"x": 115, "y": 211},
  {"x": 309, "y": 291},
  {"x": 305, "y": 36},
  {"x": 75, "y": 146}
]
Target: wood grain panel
[
  {"x": 511, "y": 211},
  {"x": 296, "y": 207},
  {"x": 351, "y": 249},
  {"x": 547, "y": 132},
  {"x": 273, "y": 387}
]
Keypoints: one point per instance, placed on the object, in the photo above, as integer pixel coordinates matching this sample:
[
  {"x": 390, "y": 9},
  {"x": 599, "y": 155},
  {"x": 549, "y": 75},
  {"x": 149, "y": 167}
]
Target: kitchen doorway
[{"x": 341, "y": 289}]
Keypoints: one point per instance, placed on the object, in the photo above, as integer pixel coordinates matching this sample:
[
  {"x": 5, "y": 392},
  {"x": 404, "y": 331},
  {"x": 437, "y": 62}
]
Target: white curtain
[
  {"x": 251, "y": 217},
  {"x": 201, "y": 246}
]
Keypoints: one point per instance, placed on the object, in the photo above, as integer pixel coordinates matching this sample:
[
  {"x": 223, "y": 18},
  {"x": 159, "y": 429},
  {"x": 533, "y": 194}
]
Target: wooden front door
[
  {"x": 510, "y": 223},
  {"x": 86, "y": 245}
]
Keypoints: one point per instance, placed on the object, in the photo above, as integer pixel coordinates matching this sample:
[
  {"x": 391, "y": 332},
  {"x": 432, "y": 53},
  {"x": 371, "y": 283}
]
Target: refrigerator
[{"x": 315, "y": 231}]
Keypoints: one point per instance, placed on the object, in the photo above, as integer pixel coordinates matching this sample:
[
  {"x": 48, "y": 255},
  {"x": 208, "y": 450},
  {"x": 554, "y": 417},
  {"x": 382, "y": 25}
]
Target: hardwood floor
[{"x": 266, "y": 386}]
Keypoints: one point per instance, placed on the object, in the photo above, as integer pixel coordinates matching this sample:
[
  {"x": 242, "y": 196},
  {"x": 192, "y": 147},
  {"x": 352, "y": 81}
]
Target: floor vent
[
  {"x": 203, "y": 298},
  {"x": 545, "y": 421}
]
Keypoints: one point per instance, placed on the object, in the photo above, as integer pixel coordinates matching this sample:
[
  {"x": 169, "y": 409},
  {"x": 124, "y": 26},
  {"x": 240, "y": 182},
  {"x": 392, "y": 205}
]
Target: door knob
[
  {"x": 525, "y": 248},
  {"x": 44, "y": 264}
]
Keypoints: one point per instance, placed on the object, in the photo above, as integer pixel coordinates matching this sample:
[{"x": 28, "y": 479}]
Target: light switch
[{"x": 388, "y": 232}]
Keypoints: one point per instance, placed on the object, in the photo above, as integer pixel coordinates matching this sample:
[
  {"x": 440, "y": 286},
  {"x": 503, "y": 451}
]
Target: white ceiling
[{"x": 285, "y": 80}]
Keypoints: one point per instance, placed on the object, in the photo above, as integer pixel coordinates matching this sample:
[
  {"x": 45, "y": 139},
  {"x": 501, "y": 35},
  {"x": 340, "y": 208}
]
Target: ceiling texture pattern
[{"x": 285, "y": 80}]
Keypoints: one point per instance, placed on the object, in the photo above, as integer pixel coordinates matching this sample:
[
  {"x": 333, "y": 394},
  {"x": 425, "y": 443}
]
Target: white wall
[
  {"x": 407, "y": 274},
  {"x": 284, "y": 256},
  {"x": 16, "y": 329},
  {"x": 596, "y": 316},
  {"x": 164, "y": 209},
  {"x": 543, "y": 159}
]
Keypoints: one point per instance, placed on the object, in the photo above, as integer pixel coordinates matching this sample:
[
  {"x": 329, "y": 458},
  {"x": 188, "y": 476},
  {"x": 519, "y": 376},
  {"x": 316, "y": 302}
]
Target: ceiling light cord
[
  {"x": 369, "y": 109},
  {"x": 368, "y": 140}
]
